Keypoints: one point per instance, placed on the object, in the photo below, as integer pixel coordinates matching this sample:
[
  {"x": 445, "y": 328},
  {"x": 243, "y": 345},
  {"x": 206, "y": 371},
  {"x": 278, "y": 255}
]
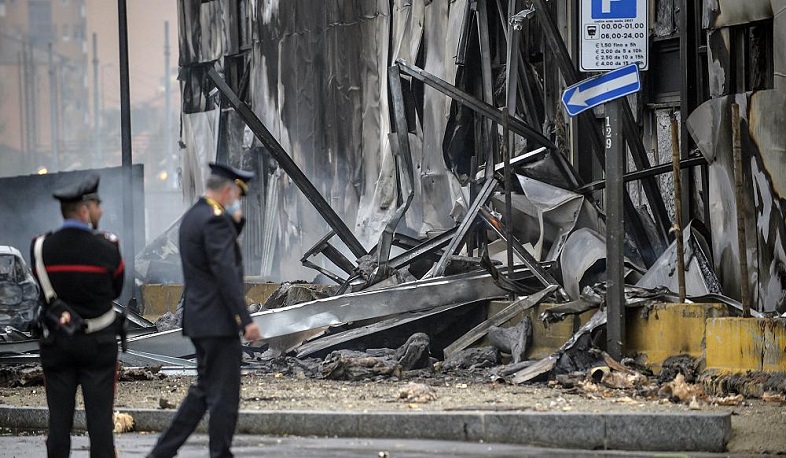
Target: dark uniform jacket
[
  {"x": 214, "y": 303},
  {"x": 84, "y": 266}
]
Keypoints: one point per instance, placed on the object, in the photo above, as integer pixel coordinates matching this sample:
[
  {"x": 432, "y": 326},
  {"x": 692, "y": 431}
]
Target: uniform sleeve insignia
[
  {"x": 238, "y": 320},
  {"x": 218, "y": 210},
  {"x": 110, "y": 237}
]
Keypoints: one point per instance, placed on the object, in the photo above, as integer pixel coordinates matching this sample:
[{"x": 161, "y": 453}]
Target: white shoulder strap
[{"x": 40, "y": 268}]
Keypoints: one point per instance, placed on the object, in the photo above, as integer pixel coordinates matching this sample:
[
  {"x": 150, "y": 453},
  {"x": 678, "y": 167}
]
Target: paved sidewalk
[{"x": 680, "y": 432}]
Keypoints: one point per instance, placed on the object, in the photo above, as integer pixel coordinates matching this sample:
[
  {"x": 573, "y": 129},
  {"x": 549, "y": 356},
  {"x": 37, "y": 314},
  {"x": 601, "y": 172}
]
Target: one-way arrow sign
[{"x": 601, "y": 89}]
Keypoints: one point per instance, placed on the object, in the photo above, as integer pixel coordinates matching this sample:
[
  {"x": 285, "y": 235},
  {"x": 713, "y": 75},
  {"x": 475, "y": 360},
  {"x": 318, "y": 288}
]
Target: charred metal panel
[
  {"x": 727, "y": 13},
  {"x": 767, "y": 121},
  {"x": 408, "y": 17},
  {"x": 200, "y": 25},
  {"x": 195, "y": 89},
  {"x": 319, "y": 70},
  {"x": 763, "y": 171},
  {"x": 767, "y": 118},
  {"x": 238, "y": 17},
  {"x": 665, "y": 18},
  {"x": 289, "y": 166},
  {"x": 436, "y": 189},
  {"x": 719, "y": 62},
  {"x": 199, "y": 131}
]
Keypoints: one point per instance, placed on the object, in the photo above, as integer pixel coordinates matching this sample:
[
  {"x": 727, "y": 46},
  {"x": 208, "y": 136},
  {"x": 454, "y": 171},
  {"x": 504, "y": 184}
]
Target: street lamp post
[
  {"x": 102, "y": 110},
  {"x": 125, "y": 137}
]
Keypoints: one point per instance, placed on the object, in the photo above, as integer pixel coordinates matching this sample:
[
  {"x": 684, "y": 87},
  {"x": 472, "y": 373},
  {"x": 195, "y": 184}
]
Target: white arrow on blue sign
[{"x": 601, "y": 89}]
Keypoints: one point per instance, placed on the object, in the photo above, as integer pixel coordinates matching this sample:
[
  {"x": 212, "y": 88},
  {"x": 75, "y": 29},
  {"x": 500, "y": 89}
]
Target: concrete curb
[{"x": 667, "y": 432}]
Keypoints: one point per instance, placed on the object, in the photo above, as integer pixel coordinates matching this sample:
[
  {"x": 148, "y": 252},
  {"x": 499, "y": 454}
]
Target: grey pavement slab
[{"x": 668, "y": 432}]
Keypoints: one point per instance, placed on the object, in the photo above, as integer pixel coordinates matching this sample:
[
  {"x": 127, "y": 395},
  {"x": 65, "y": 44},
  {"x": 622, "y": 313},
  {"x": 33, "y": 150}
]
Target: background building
[{"x": 60, "y": 110}]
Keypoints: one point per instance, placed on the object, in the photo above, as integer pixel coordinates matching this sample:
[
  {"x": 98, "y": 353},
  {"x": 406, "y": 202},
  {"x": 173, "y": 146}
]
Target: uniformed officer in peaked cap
[
  {"x": 215, "y": 312},
  {"x": 83, "y": 190},
  {"x": 239, "y": 177},
  {"x": 86, "y": 271}
]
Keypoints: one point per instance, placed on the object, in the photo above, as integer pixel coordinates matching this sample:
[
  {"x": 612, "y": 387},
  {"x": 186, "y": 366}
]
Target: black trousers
[
  {"x": 216, "y": 390},
  {"x": 90, "y": 361}
]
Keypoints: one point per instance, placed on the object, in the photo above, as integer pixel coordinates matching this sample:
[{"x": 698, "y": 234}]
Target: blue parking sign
[{"x": 613, "y": 9}]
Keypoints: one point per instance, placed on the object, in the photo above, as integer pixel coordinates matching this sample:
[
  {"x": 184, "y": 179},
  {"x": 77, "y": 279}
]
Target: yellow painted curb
[
  {"x": 667, "y": 330},
  {"x": 746, "y": 344}
]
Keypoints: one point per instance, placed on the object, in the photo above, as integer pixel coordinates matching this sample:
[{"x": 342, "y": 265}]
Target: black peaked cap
[
  {"x": 86, "y": 189},
  {"x": 240, "y": 177}
]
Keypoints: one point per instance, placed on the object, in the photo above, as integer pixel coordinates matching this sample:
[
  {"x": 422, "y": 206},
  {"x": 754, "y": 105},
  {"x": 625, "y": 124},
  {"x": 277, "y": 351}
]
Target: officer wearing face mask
[
  {"x": 215, "y": 312},
  {"x": 85, "y": 270}
]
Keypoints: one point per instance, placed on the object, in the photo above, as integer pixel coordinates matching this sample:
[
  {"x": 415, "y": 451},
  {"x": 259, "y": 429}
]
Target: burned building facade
[{"x": 374, "y": 125}]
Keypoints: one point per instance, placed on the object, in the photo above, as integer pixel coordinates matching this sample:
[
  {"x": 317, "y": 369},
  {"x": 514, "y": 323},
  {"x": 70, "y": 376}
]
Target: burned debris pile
[
  {"x": 488, "y": 250},
  {"x": 477, "y": 235},
  {"x": 422, "y": 306}
]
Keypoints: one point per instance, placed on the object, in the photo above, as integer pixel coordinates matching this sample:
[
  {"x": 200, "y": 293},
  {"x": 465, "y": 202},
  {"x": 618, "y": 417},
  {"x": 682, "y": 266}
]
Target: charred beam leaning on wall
[
  {"x": 329, "y": 251},
  {"x": 424, "y": 249},
  {"x": 404, "y": 172},
  {"x": 289, "y": 166},
  {"x": 483, "y": 195},
  {"x": 511, "y": 84},
  {"x": 530, "y": 104},
  {"x": 489, "y": 128},
  {"x": 473, "y": 103}
]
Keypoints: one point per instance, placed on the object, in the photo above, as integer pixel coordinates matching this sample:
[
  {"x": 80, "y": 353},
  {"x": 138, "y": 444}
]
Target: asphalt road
[{"x": 138, "y": 445}]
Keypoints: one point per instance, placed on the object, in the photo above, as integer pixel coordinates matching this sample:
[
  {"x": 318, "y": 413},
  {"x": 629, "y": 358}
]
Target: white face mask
[{"x": 233, "y": 207}]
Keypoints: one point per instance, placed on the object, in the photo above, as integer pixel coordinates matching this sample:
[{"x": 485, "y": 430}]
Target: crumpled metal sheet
[
  {"x": 559, "y": 212},
  {"x": 583, "y": 262},
  {"x": 298, "y": 322},
  {"x": 764, "y": 163},
  {"x": 700, "y": 278},
  {"x": 437, "y": 193}
]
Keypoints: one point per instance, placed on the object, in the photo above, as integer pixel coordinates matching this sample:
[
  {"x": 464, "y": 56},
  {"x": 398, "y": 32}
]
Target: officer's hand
[
  {"x": 237, "y": 215},
  {"x": 252, "y": 332}
]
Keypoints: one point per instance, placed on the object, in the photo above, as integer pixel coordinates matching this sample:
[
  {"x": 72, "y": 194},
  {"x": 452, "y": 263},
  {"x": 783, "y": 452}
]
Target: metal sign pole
[
  {"x": 615, "y": 230},
  {"x": 613, "y": 36},
  {"x": 129, "y": 251}
]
